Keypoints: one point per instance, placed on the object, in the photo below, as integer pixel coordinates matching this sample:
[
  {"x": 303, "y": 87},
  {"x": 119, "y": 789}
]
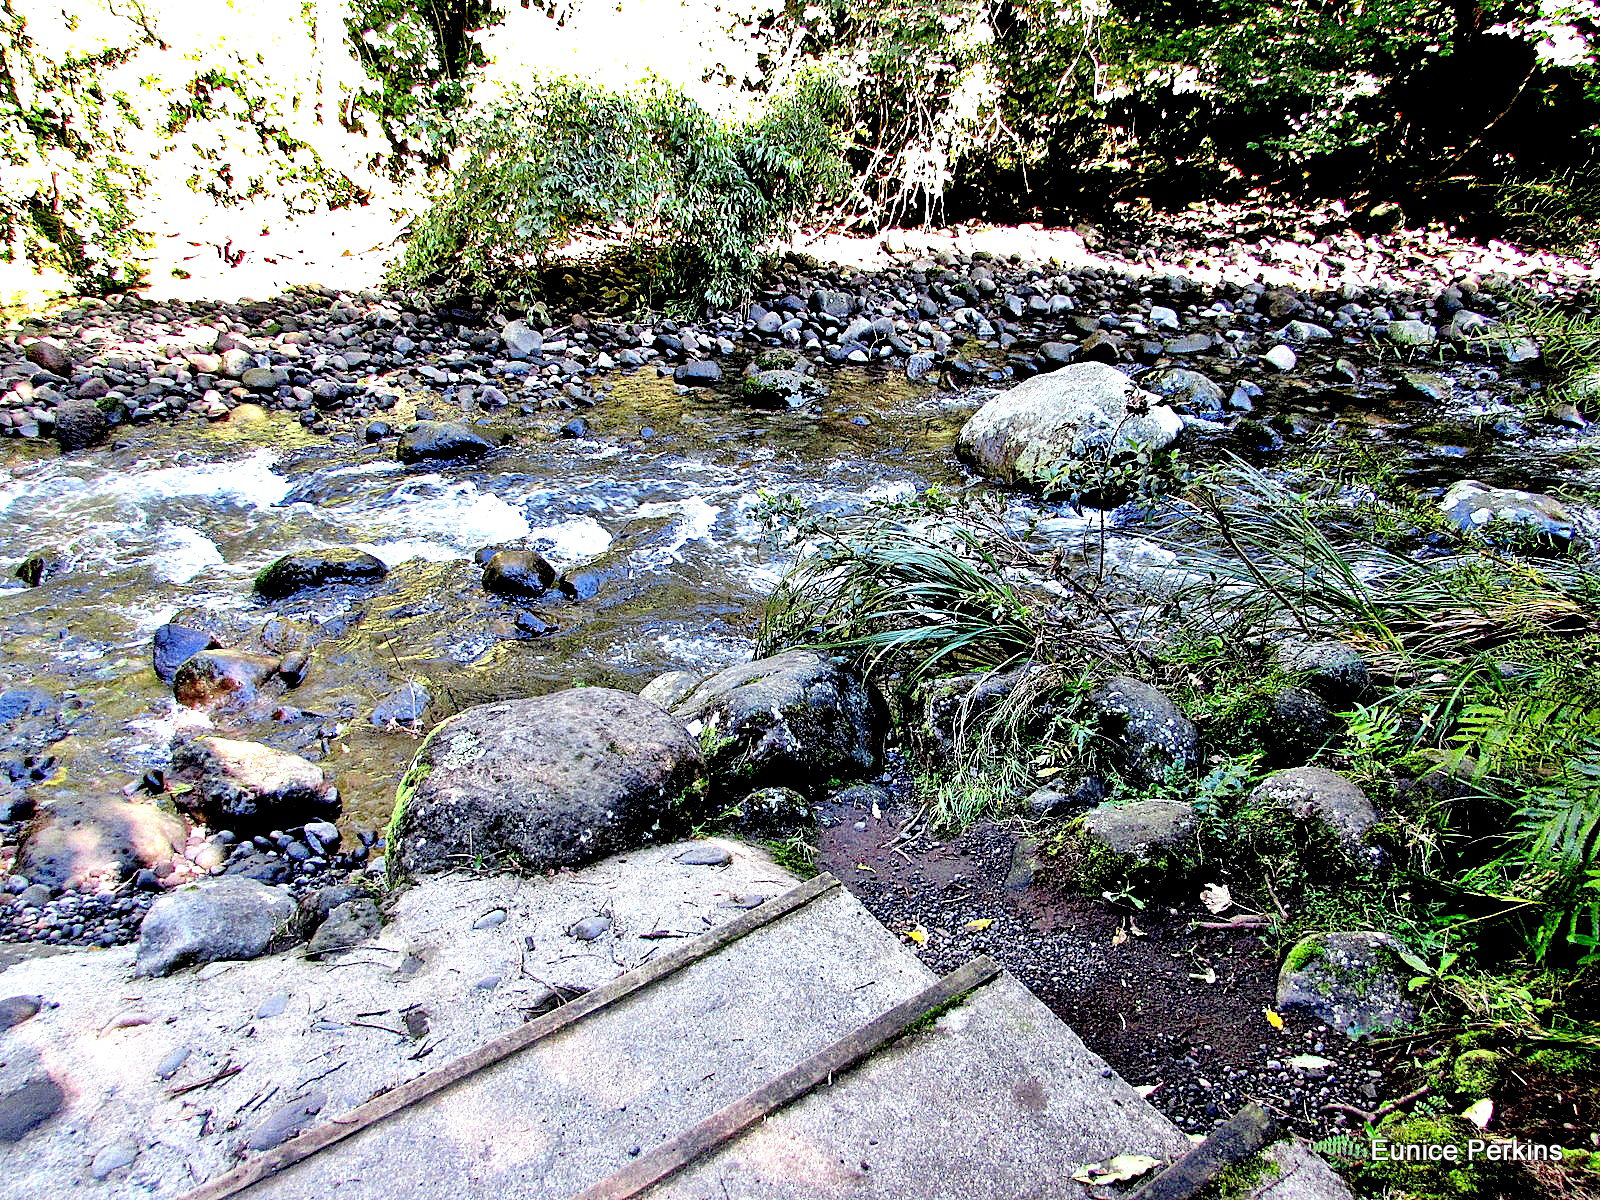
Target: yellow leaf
[
  {"x": 1480, "y": 1113},
  {"x": 1273, "y": 1018},
  {"x": 919, "y": 935},
  {"x": 1120, "y": 936},
  {"x": 980, "y": 925},
  {"x": 1116, "y": 1170},
  {"x": 1047, "y": 772},
  {"x": 864, "y": 867}
]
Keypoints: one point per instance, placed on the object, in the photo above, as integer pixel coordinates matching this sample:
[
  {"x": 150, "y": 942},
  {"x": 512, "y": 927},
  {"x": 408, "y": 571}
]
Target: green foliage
[
  {"x": 649, "y": 170},
  {"x": 420, "y": 60},
  {"x": 1560, "y": 210}
]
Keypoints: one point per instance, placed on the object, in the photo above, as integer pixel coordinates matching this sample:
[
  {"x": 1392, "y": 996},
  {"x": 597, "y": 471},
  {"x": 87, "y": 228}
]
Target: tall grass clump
[{"x": 691, "y": 200}]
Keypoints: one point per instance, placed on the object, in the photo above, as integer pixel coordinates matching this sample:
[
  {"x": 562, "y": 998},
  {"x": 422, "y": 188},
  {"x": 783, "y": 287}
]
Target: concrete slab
[{"x": 997, "y": 1098}]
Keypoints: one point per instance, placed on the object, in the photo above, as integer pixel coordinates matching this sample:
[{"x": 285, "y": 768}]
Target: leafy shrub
[{"x": 651, "y": 171}]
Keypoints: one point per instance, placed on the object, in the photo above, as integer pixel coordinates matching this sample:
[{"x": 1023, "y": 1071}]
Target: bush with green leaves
[{"x": 650, "y": 171}]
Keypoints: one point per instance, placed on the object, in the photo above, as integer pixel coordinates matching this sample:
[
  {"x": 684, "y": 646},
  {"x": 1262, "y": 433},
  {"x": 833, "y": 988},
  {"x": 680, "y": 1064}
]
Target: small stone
[
  {"x": 491, "y": 920},
  {"x": 173, "y": 1062},
  {"x": 25, "y": 1108},
  {"x": 1412, "y": 333},
  {"x": 113, "y": 1158},
  {"x": 272, "y": 1006},
  {"x": 286, "y": 1121},
  {"x": 588, "y": 929},
  {"x": 705, "y": 856},
  {"x": 523, "y": 573},
  {"x": 14, "y": 1010},
  {"x": 1280, "y": 358}
]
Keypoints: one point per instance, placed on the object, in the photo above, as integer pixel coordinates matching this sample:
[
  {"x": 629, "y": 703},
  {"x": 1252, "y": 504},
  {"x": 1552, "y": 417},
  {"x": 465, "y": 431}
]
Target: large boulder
[
  {"x": 795, "y": 720},
  {"x": 1318, "y": 794},
  {"x": 523, "y": 573},
  {"x": 1471, "y": 505},
  {"x": 227, "y": 918},
  {"x": 80, "y": 424},
  {"x": 76, "y": 840},
  {"x": 441, "y": 440},
  {"x": 1033, "y": 434},
  {"x": 1117, "y": 846},
  {"x": 1155, "y": 739},
  {"x": 306, "y": 569},
  {"x": 1355, "y": 982},
  {"x": 250, "y": 788},
  {"x": 549, "y": 782}
]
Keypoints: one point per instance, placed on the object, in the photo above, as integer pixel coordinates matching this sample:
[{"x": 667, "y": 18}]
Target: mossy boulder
[
  {"x": 1421, "y": 1178},
  {"x": 1478, "y": 1072},
  {"x": 779, "y": 389},
  {"x": 794, "y": 720},
  {"x": 1316, "y": 794},
  {"x": 1354, "y": 982},
  {"x": 1154, "y": 739},
  {"x": 1119, "y": 846}
]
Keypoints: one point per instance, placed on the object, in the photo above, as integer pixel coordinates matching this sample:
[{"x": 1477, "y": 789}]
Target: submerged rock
[
  {"x": 227, "y": 918},
  {"x": 554, "y": 781},
  {"x": 1031, "y": 434},
  {"x": 307, "y": 569},
  {"x": 794, "y": 720},
  {"x": 43, "y": 566},
  {"x": 249, "y": 788},
  {"x": 1354, "y": 982},
  {"x": 222, "y": 678}
]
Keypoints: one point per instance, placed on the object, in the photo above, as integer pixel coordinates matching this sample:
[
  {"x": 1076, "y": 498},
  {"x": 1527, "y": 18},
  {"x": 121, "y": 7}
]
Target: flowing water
[
  {"x": 666, "y": 498},
  {"x": 667, "y": 495}
]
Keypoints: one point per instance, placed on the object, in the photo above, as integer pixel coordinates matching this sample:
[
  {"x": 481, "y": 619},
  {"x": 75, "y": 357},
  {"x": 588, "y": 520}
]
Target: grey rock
[
  {"x": 346, "y": 927},
  {"x": 1412, "y": 333},
  {"x": 669, "y": 688},
  {"x": 705, "y": 856},
  {"x": 48, "y": 355},
  {"x": 1280, "y": 358},
  {"x": 307, "y": 569},
  {"x": 285, "y": 1122},
  {"x": 795, "y": 720},
  {"x": 1335, "y": 671},
  {"x": 1354, "y": 982},
  {"x": 1142, "y": 829},
  {"x": 111, "y": 1159},
  {"x": 407, "y": 706},
  {"x": 23, "y": 1109},
  {"x": 173, "y": 645},
  {"x": 1471, "y": 505},
  {"x": 223, "y": 919},
  {"x": 1297, "y": 724},
  {"x": 248, "y": 787},
  {"x": 1316, "y": 793},
  {"x": 1155, "y": 739},
  {"x": 1186, "y": 390},
  {"x": 173, "y": 1062},
  {"x": 701, "y": 372},
  {"x": 14, "y": 1010},
  {"x": 919, "y": 366},
  {"x": 273, "y": 1006},
  {"x": 76, "y": 839},
  {"x": 448, "y": 440},
  {"x": 491, "y": 920},
  {"x": 1423, "y": 386},
  {"x": 521, "y": 339},
  {"x": 1027, "y": 436},
  {"x": 771, "y": 808},
  {"x": 554, "y": 781},
  {"x": 259, "y": 379}
]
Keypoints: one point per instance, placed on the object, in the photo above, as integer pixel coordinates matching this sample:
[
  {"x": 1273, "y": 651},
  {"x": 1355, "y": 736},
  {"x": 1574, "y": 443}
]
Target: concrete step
[{"x": 994, "y": 1098}]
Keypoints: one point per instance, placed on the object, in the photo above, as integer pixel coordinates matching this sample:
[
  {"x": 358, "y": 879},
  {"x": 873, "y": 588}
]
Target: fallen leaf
[
  {"x": 980, "y": 925},
  {"x": 1273, "y": 1018},
  {"x": 1116, "y": 1170},
  {"x": 1310, "y": 1062},
  {"x": 1209, "y": 977},
  {"x": 1480, "y": 1113},
  {"x": 1135, "y": 930},
  {"x": 1216, "y": 898},
  {"x": 918, "y": 934},
  {"x": 1120, "y": 936},
  {"x": 864, "y": 867},
  {"x": 1147, "y": 1089}
]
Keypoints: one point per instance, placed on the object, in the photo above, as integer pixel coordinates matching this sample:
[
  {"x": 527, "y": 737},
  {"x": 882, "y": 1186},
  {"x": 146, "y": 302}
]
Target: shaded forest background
[{"x": 731, "y": 121}]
